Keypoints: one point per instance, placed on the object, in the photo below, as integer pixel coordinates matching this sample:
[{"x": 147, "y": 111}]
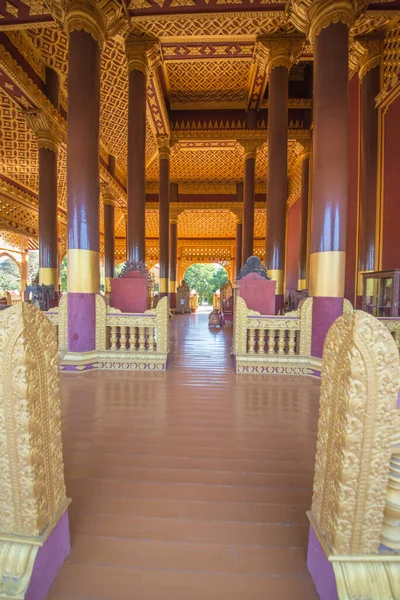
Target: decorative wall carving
[{"x": 360, "y": 384}]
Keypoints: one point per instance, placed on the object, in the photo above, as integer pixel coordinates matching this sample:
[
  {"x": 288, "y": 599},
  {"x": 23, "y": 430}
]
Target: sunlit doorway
[{"x": 204, "y": 281}]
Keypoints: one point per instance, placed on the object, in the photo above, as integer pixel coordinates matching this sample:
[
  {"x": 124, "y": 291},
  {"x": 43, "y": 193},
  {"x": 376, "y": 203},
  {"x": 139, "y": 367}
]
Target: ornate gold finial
[
  {"x": 323, "y": 13},
  {"x": 250, "y": 148},
  {"x": 164, "y": 149},
  {"x": 283, "y": 52},
  {"x": 84, "y": 15},
  {"x": 43, "y": 129},
  {"x": 357, "y": 418},
  {"x": 136, "y": 49},
  {"x": 370, "y": 55}
]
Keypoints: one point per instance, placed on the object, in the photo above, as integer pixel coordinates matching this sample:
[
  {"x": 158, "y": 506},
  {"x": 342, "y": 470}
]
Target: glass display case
[{"x": 381, "y": 290}]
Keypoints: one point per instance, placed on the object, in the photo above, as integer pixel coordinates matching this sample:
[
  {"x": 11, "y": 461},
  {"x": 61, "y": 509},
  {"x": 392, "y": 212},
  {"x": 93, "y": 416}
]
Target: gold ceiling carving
[
  {"x": 202, "y": 83},
  {"x": 243, "y": 25}
]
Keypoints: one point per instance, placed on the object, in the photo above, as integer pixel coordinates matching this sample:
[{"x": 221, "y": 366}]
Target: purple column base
[
  {"x": 81, "y": 322},
  {"x": 49, "y": 560},
  {"x": 325, "y": 312},
  {"x": 321, "y": 570},
  {"x": 279, "y": 303}
]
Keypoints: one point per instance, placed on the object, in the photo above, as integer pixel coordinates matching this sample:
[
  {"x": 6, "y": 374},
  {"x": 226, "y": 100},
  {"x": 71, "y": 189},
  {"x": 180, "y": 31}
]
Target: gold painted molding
[
  {"x": 327, "y": 271},
  {"x": 323, "y": 13},
  {"x": 277, "y": 275},
  {"x": 136, "y": 53},
  {"x": 48, "y": 276},
  {"x": 83, "y": 271}
]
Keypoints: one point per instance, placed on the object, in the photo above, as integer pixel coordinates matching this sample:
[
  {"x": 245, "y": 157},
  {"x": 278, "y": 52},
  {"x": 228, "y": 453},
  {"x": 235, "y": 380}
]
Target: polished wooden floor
[{"x": 191, "y": 485}]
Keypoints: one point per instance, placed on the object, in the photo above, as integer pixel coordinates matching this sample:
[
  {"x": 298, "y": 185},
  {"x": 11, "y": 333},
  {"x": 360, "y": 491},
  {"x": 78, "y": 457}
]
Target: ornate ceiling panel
[
  {"x": 200, "y": 84},
  {"x": 207, "y": 224},
  {"x": 18, "y": 149},
  {"x": 152, "y": 224},
  {"x": 243, "y": 25}
]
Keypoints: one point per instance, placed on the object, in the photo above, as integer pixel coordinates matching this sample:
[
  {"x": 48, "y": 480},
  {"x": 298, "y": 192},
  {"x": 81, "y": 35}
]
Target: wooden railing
[
  {"x": 393, "y": 325},
  {"x": 135, "y": 341},
  {"x": 263, "y": 342}
]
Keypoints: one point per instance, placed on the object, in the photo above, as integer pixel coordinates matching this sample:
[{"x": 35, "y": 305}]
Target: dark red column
[
  {"x": 83, "y": 177},
  {"x": 138, "y": 71},
  {"x": 173, "y": 247},
  {"x": 305, "y": 170},
  {"x": 239, "y": 230},
  {"x": 109, "y": 237},
  {"x": 277, "y": 178},
  {"x": 370, "y": 86},
  {"x": 250, "y": 152},
  {"x": 164, "y": 197},
  {"x": 330, "y": 179}
]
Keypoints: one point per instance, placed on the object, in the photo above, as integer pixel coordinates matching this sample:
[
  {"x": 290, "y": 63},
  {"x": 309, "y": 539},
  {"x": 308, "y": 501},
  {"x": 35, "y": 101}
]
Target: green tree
[
  {"x": 10, "y": 278},
  {"x": 33, "y": 260},
  {"x": 64, "y": 273},
  {"x": 206, "y": 279}
]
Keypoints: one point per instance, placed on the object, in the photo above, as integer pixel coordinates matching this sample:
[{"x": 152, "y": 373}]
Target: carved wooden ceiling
[{"x": 202, "y": 86}]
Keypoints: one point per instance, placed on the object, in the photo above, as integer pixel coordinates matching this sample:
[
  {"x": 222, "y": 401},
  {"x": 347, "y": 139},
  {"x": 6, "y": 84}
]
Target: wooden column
[
  {"x": 173, "y": 247},
  {"x": 164, "y": 196},
  {"x": 138, "y": 72},
  {"x": 250, "y": 152},
  {"x": 305, "y": 171},
  {"x": 109, "y": 237},
  {"x": 239, "y": 230},
  {"x": 330, "y": 167},
  {"x": 83, "y": 177},
  {"x": 369, "y": 88},
  {"x": 24, "y": 265}
]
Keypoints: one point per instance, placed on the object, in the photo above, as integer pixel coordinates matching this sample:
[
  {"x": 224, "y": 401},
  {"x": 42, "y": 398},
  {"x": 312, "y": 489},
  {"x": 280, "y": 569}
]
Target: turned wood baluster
[
  {"x": 292, "y": 341},
  {"x": 252, "y": 341},
  {"x": 261, "y": 341},
  {"x": 142, "y": 339},
  {"x": 281, "y": 341},
  {"x": 122, "y": 339},
  {"x": 154, "y": 340},
  {"x": 271, "y": 341},
  {"x": 114, "y": 337}
]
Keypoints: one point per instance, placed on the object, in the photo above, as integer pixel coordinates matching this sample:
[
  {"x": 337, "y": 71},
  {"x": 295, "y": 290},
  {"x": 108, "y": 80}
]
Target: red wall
[
  {"x": 293, "y": 246},
  {"x": 391, "y": 190},
  {"x": 351, "y": 239}
]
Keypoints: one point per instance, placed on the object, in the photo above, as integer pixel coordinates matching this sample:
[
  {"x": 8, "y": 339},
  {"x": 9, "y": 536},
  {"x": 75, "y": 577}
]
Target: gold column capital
[
  {"x": 107, "y": 195},
  {"x": 323, "y": 13},
  {"x": 250, "y": 148},
  {"x": 164, "y": 149},
  {"x": 306, "y": 148},
  {"x": 370, "y": 55},
  {"x": 43, "y": 129},
  {"x": 283, "y": 52},
  {"x": 136, "y": 49},
  {"x": 84, "y": 15}
]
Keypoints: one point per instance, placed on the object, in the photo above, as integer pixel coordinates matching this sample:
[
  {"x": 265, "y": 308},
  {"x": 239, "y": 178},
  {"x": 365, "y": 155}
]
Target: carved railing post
[
  {"x": 360, "y": 385},
  {"x": 33, "y": 502}
]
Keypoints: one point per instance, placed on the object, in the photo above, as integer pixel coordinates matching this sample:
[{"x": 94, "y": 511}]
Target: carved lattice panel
[
  {"x": 18, "y": 148},
  {"x": 208, "y": 81},
  {"x": 260, "y": 223},
  {"x": 207, "y": 224},
  {"x": 152, "y": 223}
]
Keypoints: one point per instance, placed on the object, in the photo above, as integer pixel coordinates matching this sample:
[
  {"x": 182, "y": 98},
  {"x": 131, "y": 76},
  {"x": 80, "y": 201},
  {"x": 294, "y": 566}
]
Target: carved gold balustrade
[
  {"x": 355, "y": 513},
  {"x": 123, "y": 340},
  {"x": 275, "y": 344}
]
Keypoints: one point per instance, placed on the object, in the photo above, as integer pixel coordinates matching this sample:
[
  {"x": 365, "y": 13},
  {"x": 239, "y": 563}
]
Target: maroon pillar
[
  {"x": 250, "y": 151},
  {"x": 83, "y": 181},
  {"x": 277, "y": 178},
  {"x": 164, "y": 195},
  {"x": 370, "y": 86},
  {"x": 173, "y": 247},
  {"x": 138, "y": 69},
  {"x": 109, "y": 238},
  {"x": 305, "y": 170},
  {"x": 239, "y": 230},
  {"x": 330, "y": 179}
]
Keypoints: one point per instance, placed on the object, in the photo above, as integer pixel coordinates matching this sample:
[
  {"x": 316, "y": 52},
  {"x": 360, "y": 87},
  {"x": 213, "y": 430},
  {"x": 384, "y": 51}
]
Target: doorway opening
[{"x": 204, "y": 281}]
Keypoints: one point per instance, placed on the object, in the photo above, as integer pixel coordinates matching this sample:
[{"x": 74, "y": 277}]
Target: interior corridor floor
[{"x": 192, "y": 485}]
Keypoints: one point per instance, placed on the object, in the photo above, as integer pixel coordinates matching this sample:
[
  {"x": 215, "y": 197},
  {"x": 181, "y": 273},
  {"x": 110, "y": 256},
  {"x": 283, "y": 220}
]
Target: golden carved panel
[
  {"x": 32, "y": 488},
  {"x": 152, "y": 223},
  {"x": 207, "y": 224},
  {"x": 230, "y": 25},
  {"x": 360, "y": 385},
  {"x": 203, "y": 82}
]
